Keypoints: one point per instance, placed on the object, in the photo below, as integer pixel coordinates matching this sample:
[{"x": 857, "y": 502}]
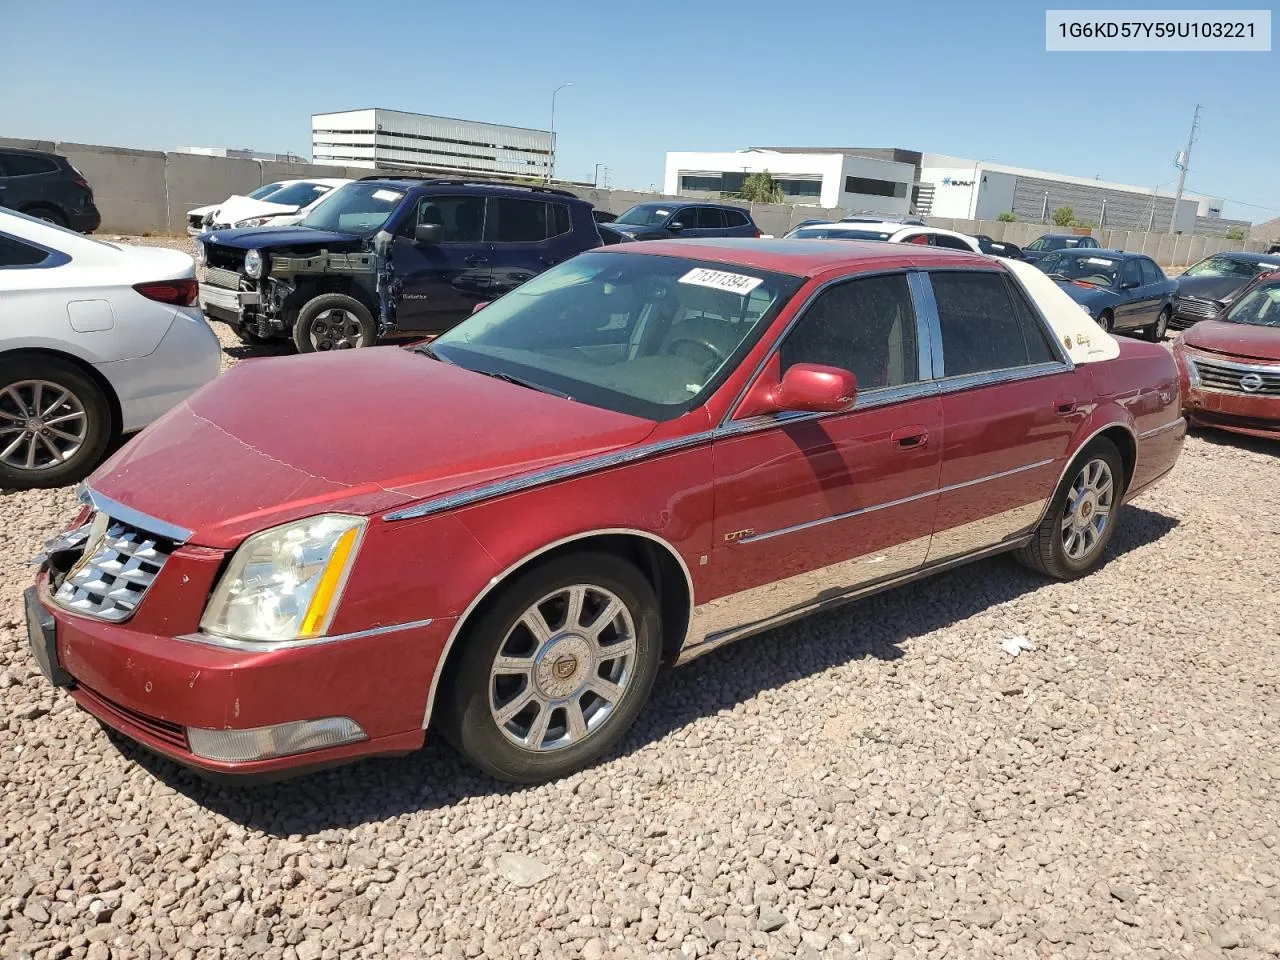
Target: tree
[
  {"x": 760, "y": 188},
  {"x": 1063, "y": 216},
  {"x": 1235, "y": 233},
  {"x": 1008, "y": 217}
]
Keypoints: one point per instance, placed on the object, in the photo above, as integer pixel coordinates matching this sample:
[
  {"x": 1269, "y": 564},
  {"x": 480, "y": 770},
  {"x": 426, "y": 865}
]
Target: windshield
[
  {"x": 1051, "y": 243},
  {"x": 356, "y": 208},
  {"x": 299, "y": 194},
  {"x": 650, "y": 336},
  {"x": 264, "y": 191},
  {"x": 835, "y": 233},
  {"x": 1099, "y": 271},
  {"x": 1228, "y": 267},
  {"x": 1260, "y": 307},
  {"x": 646, "y": 214}
]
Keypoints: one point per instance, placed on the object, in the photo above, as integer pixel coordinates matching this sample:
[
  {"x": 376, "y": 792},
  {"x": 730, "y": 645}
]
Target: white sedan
[
  {"x": 890, "y": 231},
  {"x": 279, "y": 204},
  {"x": 96, "y": 340}
]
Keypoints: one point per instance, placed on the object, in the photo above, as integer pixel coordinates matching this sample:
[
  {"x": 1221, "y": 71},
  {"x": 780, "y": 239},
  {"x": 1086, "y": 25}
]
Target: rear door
[
  {"x": 737, "y": 224},
  {"x": 814, "y": 506},
  {"x": 518, "y": 230},
  {"x": 1159, "y": 286},
  {"x": 707, "y": 222},
  {"x": 442, "y": 282},
  {"x": 1010, "y": 405},
  {"x": 1135, "y": 296}
]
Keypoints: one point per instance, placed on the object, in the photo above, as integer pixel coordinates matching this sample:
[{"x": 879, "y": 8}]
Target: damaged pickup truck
[{"x": 387, "y": 256}]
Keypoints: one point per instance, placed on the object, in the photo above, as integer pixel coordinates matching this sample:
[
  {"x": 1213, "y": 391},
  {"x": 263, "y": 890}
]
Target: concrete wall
[{"x": 146, "y": 191}]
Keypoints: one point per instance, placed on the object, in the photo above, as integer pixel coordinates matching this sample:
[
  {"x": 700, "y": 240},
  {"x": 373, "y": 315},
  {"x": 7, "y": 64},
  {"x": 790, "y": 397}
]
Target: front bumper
[
  {"x": 1235, "y": 413},
  {"x": 153, "y": 687},
  {"x": 229, "y": 306}
]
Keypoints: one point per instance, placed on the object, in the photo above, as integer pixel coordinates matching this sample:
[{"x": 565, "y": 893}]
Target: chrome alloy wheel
[
  {"x": 563, "y": 668},
  {"x": 42, "y": 425},
  {"x": 1088, "y": 509},
  {"x": 335, "y": 329}
]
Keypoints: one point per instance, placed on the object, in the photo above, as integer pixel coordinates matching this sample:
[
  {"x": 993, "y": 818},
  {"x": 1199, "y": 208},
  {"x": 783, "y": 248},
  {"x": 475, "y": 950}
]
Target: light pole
[
  {"x": 551, "y": 167},
  {"x": 595, "y": 179}
]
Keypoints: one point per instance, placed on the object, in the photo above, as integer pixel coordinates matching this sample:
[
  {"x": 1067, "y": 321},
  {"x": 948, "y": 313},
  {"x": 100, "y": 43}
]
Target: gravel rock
[{"x": 883, "y": 773}]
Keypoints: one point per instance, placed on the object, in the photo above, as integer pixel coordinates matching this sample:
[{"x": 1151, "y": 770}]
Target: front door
[
  {"x": 442, "y": 282},
  {"x": 1010, "y": 405},
  {"x": 810, "y": 507}
]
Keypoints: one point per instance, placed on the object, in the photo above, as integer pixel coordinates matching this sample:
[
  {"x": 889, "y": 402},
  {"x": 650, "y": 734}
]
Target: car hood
[
  {"x": 1087, "y": 295},
  {"x": 362, "y": 431},
  {"x": 201, "y": 211},
  {"x": 237, "y": 208},
  {"x": 1210, "y": 288},
  {"x": 1237, "y": 339},
  {"x": 261, "y": 238}
]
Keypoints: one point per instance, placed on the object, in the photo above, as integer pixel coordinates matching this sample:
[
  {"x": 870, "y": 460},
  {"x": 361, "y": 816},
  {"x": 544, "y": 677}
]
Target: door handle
[
  {"x": 474, "y": 261},
  {"x": 914, "y": 436},
  {"x": 1064, "y": 406}
]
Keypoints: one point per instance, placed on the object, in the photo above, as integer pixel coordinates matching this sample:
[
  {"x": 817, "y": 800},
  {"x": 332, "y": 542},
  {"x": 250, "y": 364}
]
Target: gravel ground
[{"x": 882, "y": 781}]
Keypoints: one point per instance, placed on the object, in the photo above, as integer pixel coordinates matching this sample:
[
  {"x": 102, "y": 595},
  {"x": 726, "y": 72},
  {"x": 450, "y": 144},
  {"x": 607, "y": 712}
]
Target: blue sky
[{"x": 969, "y": 79}]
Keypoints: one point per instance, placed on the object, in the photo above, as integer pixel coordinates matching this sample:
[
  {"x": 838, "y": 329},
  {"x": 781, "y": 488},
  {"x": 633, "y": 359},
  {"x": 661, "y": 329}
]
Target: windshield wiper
[
  {"x": 427, "y": 350},
  {"x": 1058, "y": 276},
  {"x": 521, "y": 382}
]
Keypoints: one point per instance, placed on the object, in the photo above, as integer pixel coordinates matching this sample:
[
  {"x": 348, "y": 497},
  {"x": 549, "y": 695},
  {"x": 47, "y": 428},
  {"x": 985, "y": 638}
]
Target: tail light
[
  {"x": 180, "y": 293},
  {"x": 758, "y": 233},
  {"x": 82, "y": 183}
]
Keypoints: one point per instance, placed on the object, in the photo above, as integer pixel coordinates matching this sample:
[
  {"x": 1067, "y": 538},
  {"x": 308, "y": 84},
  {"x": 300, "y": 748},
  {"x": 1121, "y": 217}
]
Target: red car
[
  {"x": 635, "y": 457},
  {"x": 1230, "y": 365}
]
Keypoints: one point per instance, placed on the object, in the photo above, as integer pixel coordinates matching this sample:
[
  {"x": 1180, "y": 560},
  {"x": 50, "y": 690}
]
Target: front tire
[
  {"x": 55, "y": 423},
  {"x": 333, "y": 321},
  {"x": 1081, "y": 519},
  {"x": 555, "y": 670},
  {"x": 1155, "y": 333}
]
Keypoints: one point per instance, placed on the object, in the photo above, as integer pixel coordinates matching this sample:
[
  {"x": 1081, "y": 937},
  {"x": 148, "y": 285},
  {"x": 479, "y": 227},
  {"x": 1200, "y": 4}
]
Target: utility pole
[{"x": 1183, "y": 162}]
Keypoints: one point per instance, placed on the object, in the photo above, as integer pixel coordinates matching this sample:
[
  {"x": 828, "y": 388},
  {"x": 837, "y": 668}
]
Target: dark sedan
[
  {"x": 998, "y": 248},
  {"x": 1121, "y": 291},
  {"x": 1207, "y": 288},
  {"x": 1049, "y": 243}
]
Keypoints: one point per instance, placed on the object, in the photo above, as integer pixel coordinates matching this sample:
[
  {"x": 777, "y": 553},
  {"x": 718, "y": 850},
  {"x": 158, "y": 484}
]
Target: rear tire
[
  {"x": 520, "y": 696},
  {"x": 1107, "y": 321},
  {"x": 333, "y": 321},
  {"x": 1155, "y": 333},
  {"x": 1081, "y": 519},
  {"x": 55, "y": 423},
  {"x": 48, "y": 215}
]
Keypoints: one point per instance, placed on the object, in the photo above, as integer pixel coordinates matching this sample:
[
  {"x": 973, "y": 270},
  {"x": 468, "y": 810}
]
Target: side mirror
[
  {"x": 675, "y": 227},
  {"x": 428, "y": 233},
  {"x": 1130, "y": 284},
  {"x": 805, "y": 387}
]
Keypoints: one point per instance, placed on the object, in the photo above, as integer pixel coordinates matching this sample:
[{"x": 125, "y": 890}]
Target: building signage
[{"x": 948, "y": 182}]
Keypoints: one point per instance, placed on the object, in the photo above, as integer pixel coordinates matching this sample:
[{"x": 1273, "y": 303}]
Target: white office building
[
  {"x": 830, "y": 179},
  {"x": 390, "y": 139},
  {"x": 982, "y": 190}
]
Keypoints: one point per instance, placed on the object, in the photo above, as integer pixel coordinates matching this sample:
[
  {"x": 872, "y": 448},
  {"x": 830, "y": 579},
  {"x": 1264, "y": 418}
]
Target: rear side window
[
  {"x": 1152, "y": 273},
  {"x": 15, "y": 253},
  {"x": 559, "y": 219},
  {"x": 1033, "y": 331},
  {"x": 22, "y": 165},
  {"x": 515, "y": 220},
  {"x": 710, "y": 218},
  {"x": 735, "y": 218},
  {"x": 1131, "y": 273},
  {"x": 981, "y": 330}
]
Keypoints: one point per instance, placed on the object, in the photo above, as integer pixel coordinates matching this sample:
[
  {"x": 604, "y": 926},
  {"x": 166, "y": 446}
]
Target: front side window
[
  {"x": 516, "y": 220},
  {"x": 981, "y": 331},
  {"x": 1260, "y": 307},
  {"x": 646, "y": 215},
  {"x": 461, "y": 219},
  {"x": 356, "y": 208},
  {"x": 867, "y": 327},
  {"x": 15, "y": 253},
  {"x": 651, "y": 336}
]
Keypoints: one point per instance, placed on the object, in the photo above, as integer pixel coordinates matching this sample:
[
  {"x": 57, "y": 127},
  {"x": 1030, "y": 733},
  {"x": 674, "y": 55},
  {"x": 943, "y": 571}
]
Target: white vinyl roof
[{"x": 1077, "y": 333}]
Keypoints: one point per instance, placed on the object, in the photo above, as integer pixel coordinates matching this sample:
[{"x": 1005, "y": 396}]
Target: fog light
[{"x": 279, "y": 740}]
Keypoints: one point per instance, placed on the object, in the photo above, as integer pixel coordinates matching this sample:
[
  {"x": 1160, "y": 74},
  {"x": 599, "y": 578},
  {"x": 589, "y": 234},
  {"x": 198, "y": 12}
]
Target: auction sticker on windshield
[
  {"x": 1100, "y": 262},
  {"x": 391, "y": 196},
  {"x": 721, "y": 280}
]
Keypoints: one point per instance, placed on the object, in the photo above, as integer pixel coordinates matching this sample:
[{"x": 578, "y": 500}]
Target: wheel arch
[
  {"x": 655, "y": 557},
  {"x": 82, "y": 365}
]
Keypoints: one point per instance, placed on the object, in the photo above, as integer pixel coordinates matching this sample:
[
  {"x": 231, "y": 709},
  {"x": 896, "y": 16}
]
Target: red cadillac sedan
[
  {"x": 1230, "y": 365},
  {"x": 638, "y": 456}
]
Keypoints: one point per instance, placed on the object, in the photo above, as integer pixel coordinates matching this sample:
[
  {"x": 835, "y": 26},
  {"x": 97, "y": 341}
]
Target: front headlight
[
  {"x": 253, "y": 264},
  {"x": 254, "y": 222},
  {"x": 202, "y": 255},
  {"x": 285, "y": 583}
]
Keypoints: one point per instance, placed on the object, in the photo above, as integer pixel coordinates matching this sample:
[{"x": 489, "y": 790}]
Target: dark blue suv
[
  {"x": 388, "y": 255},
  {"x": 660, "y": 220}
]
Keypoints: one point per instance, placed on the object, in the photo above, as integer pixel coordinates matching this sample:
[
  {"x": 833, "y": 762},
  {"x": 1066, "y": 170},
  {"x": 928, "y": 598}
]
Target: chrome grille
[
  {"x": 218, "y": 277},
  {"x": 1195, "y": 307},
  {"x": 111, "y": 583},
  {"x": 1246, "y": 379}
]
